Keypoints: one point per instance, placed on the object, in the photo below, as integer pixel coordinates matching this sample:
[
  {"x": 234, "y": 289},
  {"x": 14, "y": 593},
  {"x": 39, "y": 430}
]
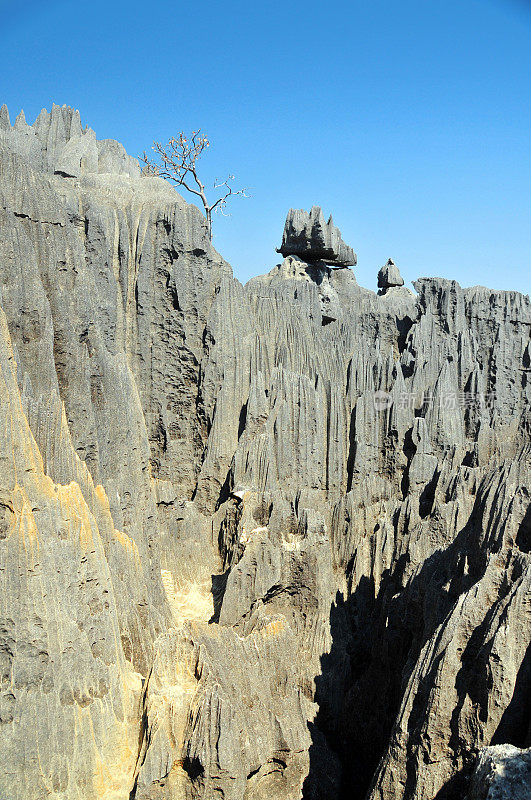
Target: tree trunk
[{"x": 209, "y": 222}]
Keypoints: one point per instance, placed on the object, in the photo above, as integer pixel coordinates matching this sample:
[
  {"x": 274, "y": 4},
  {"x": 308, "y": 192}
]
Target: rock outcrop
[
  {"x": 389, "y": 276},
  {"x": 502, "y": 772},
  {"x": 57, "y": 142},
  {"x": 262, "y": 541},
  {"x": 309, "y": 237}
]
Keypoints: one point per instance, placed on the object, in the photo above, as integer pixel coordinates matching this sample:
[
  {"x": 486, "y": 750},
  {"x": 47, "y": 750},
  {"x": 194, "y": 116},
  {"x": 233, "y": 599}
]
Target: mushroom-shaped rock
[
  {"x": 308, "y": 236},
  {"x": 389, "y": 276}
]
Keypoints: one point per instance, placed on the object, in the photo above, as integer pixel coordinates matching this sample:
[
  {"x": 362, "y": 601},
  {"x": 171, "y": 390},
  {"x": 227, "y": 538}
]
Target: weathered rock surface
[
  {"x": 502, "y": 772},
  {"x": 308, "y": 236},
  {"x": 256, "y": 542},
  {"x": 389, "y": 276}
]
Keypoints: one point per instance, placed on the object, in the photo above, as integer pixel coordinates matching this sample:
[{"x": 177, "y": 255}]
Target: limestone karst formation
[
  {"x": 262, "y": 541},
  {"x": 389, "y": 277},
  {"x": 309, "y": 237}
]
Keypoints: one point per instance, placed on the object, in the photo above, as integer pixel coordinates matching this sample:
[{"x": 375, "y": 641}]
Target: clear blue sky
[{"x": 409, "y": 120}]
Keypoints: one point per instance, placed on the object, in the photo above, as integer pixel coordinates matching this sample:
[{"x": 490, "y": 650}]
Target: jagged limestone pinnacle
[{"x": 308, "y": 236}]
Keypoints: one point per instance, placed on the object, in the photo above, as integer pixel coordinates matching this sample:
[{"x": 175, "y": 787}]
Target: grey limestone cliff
[{"x": 262, "y": 541}]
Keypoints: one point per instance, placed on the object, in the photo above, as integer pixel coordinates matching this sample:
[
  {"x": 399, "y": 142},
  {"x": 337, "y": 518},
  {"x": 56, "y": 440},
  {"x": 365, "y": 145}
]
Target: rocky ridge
[{"x": 256, "y": 541}]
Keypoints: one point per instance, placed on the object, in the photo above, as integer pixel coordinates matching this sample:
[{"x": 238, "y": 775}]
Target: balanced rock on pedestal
[
  {"x": 308, "y": 236},
  {"x": 389, "y": 276}
]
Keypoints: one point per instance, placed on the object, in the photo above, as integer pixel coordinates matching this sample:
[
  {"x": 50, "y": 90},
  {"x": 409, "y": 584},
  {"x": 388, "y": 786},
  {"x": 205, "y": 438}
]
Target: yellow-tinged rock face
[{"x": 69, "y": 698}]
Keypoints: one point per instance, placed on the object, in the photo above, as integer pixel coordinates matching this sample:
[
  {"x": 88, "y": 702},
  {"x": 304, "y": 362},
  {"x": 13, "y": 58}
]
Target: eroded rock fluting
[{"x": 256, "y": 542}]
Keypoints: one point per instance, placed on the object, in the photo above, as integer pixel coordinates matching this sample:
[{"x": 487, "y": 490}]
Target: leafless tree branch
[{"x": 177, "y": 162}]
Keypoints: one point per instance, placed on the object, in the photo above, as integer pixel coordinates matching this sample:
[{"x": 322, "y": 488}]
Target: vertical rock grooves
[{"x": 255, "y": 542}]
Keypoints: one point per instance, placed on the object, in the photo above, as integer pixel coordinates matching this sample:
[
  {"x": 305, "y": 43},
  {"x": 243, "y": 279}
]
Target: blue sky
[{"x": 409, "y": 120}]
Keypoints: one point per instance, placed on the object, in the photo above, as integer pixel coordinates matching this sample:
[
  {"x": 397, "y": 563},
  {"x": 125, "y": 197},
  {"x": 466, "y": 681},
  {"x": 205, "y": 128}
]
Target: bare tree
[{"x": 177, "y": 162}]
